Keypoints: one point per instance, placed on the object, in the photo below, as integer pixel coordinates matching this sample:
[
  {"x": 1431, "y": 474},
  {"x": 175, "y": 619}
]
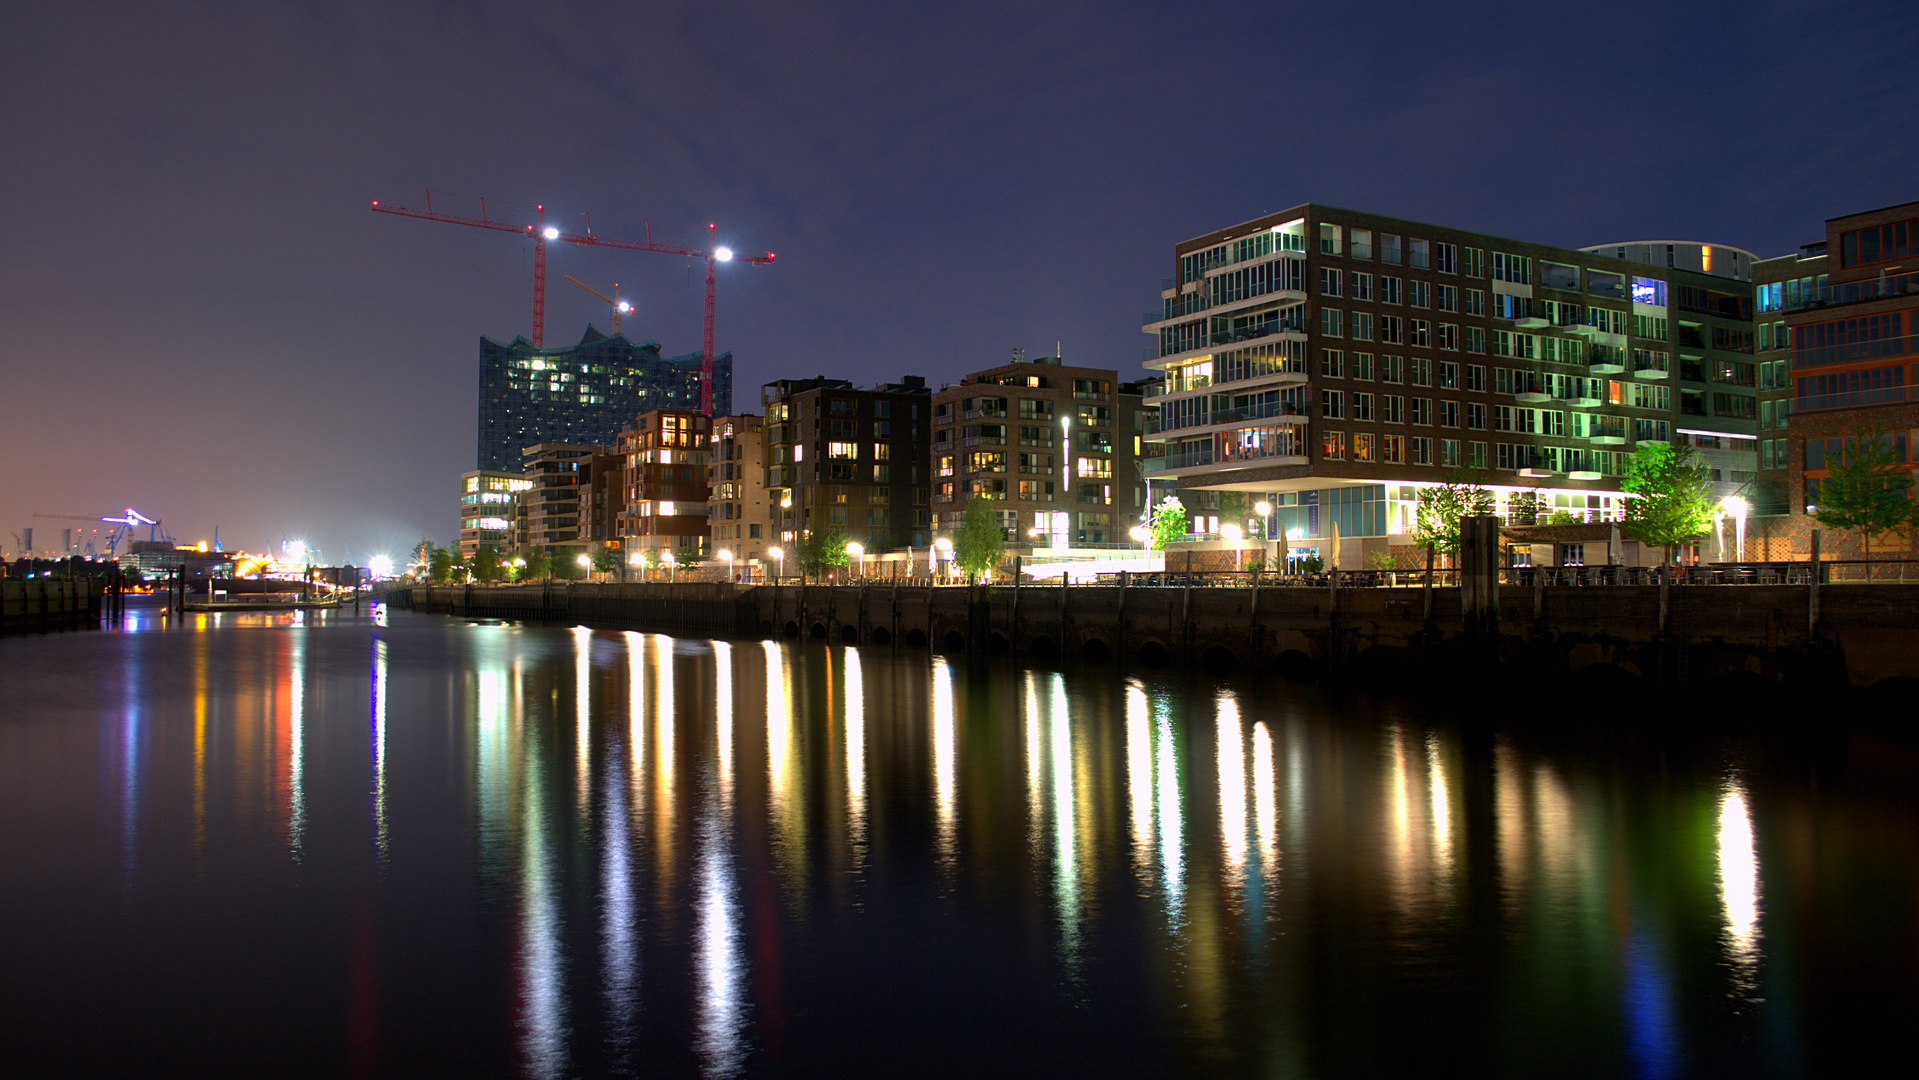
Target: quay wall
[{"x": 1862, "y": 634}]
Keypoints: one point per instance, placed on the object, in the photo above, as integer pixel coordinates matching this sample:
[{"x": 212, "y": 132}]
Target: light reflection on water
[{"x": 1131, "y": 874}]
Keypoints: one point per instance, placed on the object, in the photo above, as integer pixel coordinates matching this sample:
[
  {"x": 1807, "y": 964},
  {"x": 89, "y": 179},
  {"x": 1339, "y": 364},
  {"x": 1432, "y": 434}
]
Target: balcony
[{"x": 1263, "y": 411}]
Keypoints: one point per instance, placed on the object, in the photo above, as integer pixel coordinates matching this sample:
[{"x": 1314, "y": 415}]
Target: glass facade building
[{"x": 582, "y": 395}]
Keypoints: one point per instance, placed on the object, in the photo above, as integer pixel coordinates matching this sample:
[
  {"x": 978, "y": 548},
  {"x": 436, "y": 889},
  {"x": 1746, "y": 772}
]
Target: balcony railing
[
  {"x": 1886, "y": 395},
  {"x": 1262, "y": 411},
  {"x": 1187, "y": 460}
]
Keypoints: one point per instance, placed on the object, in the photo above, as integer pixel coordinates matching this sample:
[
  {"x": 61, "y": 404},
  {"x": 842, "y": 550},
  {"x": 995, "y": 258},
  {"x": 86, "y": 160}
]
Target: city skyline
[{"x": 259, "y": 354}]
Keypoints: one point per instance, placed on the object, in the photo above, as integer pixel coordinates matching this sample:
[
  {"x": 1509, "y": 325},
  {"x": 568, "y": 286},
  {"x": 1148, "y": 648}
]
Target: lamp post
[
  {"x": 1738, "y": 508},
  {"x": 586, "y": 564},
  {"x": 780, "y": 554},
  {"x": 858, "y": 550},
  {"x": 727, "y": 554},
  {"x": 1143, "y": 536},
  {"x": 1265, "y": 511},
  {"x": 1233, "y": 534},
  {"x": 944, "y": 548},
  {"x": 670, "y": 562},
  {"x": 1066, "y": 467}
]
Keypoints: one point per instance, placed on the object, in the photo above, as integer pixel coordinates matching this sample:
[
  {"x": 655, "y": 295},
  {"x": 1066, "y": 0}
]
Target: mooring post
[
  {"x": 1539, "y": 592},
  {"x": 1429, "y": 583},
  {"x": 1012, "y": 629},
  {"x": 1812, "y": 588}
]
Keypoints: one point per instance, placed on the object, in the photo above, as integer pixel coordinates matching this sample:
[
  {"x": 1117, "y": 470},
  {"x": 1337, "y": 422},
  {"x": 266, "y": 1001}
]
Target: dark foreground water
[{"x": 262, "y": 847}]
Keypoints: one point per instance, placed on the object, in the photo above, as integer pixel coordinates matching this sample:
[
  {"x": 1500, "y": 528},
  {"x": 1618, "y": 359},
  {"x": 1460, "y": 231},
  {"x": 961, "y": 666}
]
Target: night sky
[{"x": 204, "y": 321}]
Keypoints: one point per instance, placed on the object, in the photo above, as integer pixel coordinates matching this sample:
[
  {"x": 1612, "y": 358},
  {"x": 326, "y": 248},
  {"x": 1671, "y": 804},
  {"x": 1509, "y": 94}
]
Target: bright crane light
[
  {"x": 551, "y": 233},
  {"x": 723, "y": 254}
]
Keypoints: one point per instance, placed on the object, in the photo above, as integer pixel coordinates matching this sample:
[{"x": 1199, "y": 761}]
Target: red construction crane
[{"x": 540, "y": 232}]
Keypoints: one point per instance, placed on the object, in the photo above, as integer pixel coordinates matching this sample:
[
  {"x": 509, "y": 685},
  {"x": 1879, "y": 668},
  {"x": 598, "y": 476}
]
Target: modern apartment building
[
  {"x": 1779, "y": 285},
  {"x": 844, "y": 457},
  {"x": 1056, "y": 449},
  {"x": 487, "y": 510},
  {"x": 662, "y": 495},
  {"x": 1715, "y": 380},
  {"x": 558, "y": 510},
  {"x": 1855, "y": 344},
  {"x": 1333, "y": 362},
  {"x": 738, "y": 517},
  {"x": 584, "y": 395}
]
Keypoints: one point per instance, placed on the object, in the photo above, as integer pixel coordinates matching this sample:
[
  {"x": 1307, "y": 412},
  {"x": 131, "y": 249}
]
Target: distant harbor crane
[
  {"x": 540, "y": 232},
  {"x": 619, "y": 306}
]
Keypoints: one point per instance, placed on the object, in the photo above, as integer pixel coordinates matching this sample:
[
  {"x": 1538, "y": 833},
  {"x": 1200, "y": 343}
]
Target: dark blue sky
[{"x": 203, "y": 320}]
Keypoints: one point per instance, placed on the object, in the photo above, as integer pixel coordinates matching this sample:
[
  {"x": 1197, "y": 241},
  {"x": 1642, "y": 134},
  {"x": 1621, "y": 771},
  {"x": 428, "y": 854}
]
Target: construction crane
[
  {"x": 540, "y": 233},
  {"x": 155, "y": 531},
  {"x": 619, "y": 306}
]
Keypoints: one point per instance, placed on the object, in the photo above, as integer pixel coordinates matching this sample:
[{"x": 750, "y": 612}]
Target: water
[{"x": 256, "y": 845}]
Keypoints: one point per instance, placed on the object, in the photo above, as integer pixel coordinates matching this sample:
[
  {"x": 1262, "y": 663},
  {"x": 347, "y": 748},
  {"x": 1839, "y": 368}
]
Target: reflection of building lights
[{"x": 1739, "y": 878}]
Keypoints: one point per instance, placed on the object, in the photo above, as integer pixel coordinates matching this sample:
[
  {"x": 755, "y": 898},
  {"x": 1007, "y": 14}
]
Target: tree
[
  {"x": 439, "y": 562},
  {"x": 1460, "y": 493},
  {"x": 1524, "y": 507},
  {"x": 607, "y": 560},
  {"x": 1670, "y": 504},
  {"x": 978, "y": 543},
  {"x": 649, "y": 561},
  {"x": 821, "y": 550},
  {"x": 538, "y": 563},
  {"x": 1169, "y": 522},
  {"x": 1562, "y": 517},
  {"x": 1233, "y": 508},
  {"x": 1866, "y": 491},
  {"x": 486, "y": 564}
]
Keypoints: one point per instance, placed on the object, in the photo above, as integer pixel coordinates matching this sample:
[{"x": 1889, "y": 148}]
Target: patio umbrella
[{"x": 1333, "y": 563}]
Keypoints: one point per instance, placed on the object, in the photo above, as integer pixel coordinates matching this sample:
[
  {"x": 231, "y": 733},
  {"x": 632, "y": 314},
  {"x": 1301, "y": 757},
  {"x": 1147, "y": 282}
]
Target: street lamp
[
  {"x": 944, "y": 547},
  {"x": 670, "y": 562},
  {"x": 586, "y": 564},
  {"x": 1143, "y": 536},
  {"x": 780, "y": 554},
  {"x": 1265, "y": 511},
  {"x": 1233, "y": 534},
  {"x": 1738, "y": 508},
  {"x": 858, "y": 550},
  {"x": 1060, "y": 529},
  {"x": 727, "y": 554}
]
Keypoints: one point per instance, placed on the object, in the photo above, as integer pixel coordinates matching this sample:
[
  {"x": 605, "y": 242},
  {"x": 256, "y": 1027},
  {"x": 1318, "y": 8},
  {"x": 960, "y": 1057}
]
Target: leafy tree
[
  {"x": 566, "y": 567},
  {"x": 1562, "y": 517},
  {"x": 1461, "y": 493},
  {"x": 1233, "y": 507},
  {"x": 821, "y": 550},
  {"x": 1524, "y": 507},
  {"x": 538, "y": 563},
  {"x": 978, "y": 543},
  {"x": 486, "y": 564},
  {"x": 1671, "y": 504},
  {"x": 649, "y": 561},
  {"x": 439, "y": 563},
  {"x": 1866, "y": 491},
  {"x": 1169, "y": 522},
  {"x": 607, "y": 560}
]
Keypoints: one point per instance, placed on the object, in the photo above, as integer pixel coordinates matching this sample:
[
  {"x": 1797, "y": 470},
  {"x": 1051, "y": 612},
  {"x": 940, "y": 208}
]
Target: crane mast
[{"x": 540, "y": 233}]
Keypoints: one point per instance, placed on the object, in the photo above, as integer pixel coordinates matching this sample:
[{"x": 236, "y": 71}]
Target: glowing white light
[
  {"x": 1739, "y": 878},
  {"x": 381, "y": 566},
  {"x": 551, "y": 233},
  {"x": 723, "y": 254}
]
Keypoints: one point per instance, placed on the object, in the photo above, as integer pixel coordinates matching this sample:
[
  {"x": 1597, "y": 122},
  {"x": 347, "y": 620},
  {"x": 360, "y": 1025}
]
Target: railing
[
  {"x": 1180, "y": 461},
  {"x": 1852, "y": 292},
  {"x": 1855, "y": 398},
  {"x": 1244, "y": 412}
]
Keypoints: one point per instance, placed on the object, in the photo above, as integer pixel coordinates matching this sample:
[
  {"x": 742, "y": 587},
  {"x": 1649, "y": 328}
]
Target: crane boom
[{"x": 541, "y": 232}]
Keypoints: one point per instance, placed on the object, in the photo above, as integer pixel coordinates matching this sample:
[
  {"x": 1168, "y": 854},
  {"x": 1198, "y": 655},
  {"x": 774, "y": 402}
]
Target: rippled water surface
[{"x": 383, "y": 846}]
